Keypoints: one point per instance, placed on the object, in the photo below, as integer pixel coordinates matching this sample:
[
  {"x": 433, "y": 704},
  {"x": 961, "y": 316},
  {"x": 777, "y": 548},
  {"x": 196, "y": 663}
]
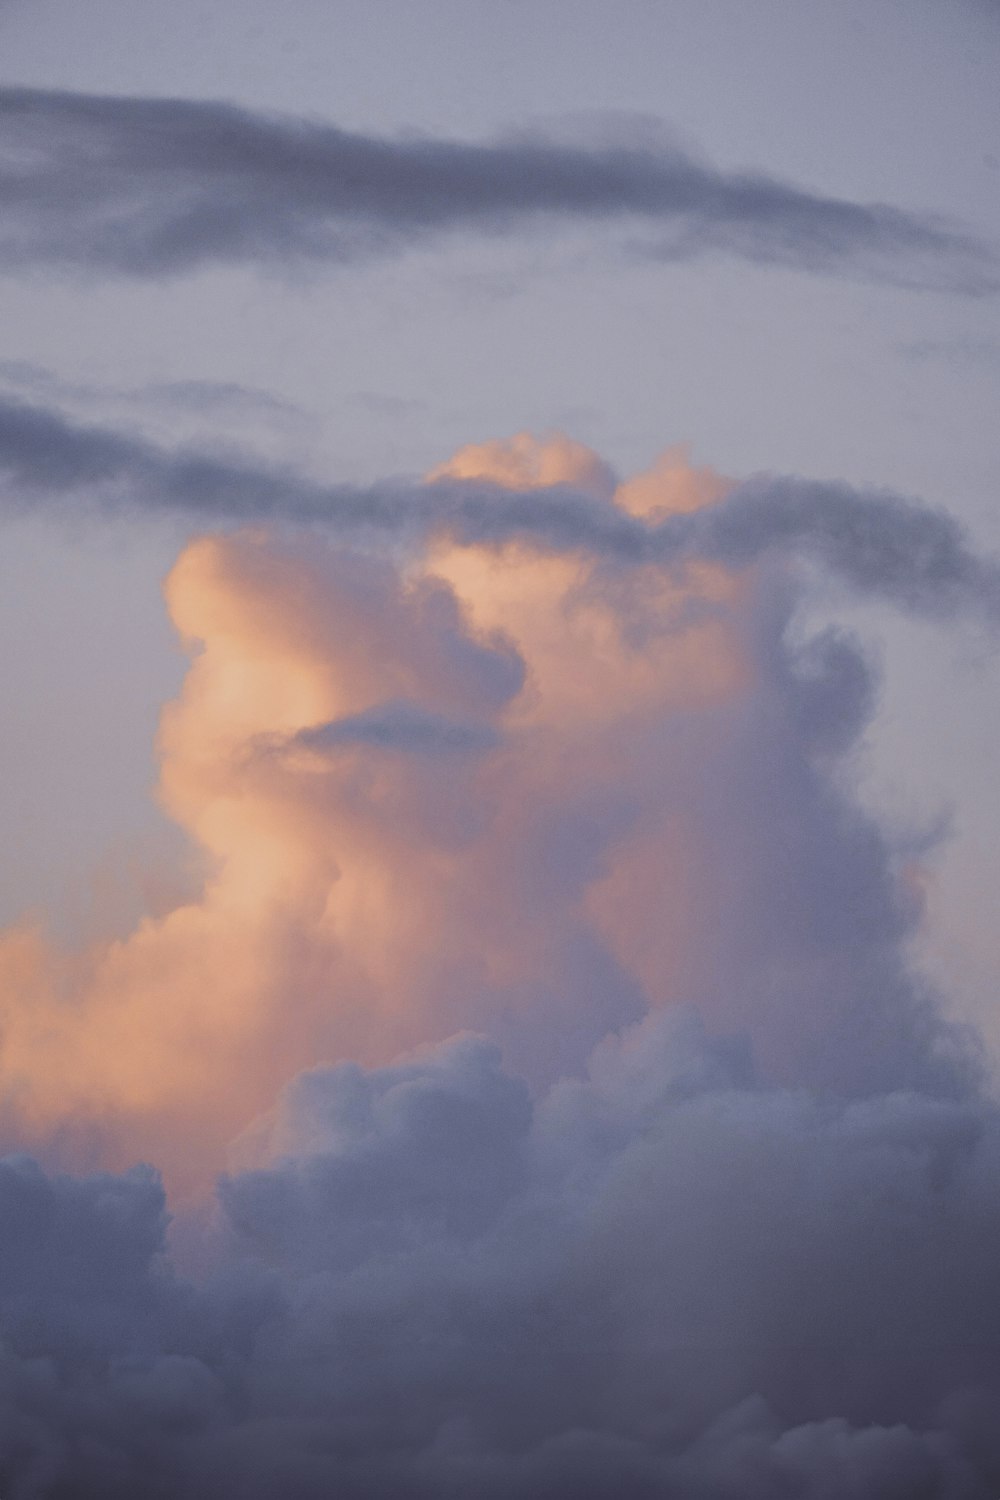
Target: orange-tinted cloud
[{"x": 484, "y": 786}]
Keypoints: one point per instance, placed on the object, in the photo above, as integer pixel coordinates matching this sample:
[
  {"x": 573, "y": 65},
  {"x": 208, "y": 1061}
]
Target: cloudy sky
[{"x": 501, "y": 603}]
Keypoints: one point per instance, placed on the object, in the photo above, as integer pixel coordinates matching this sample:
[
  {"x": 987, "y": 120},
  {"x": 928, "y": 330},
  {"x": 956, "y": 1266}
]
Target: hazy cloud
[
  {"x": 158, "y": 186},
  {"x": 966, "y": 351}
]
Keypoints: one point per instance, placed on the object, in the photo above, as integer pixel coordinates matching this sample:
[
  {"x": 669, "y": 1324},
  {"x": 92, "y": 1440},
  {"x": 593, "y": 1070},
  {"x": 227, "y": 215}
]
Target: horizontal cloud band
[
  {"x": 157, "y": 186},
  {"x": 880, "y": 544}
]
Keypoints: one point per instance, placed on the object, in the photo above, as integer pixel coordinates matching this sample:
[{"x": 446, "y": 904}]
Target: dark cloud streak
[
  {"x": 879, "y": 544},
  {"x": 152, "y": 187}
]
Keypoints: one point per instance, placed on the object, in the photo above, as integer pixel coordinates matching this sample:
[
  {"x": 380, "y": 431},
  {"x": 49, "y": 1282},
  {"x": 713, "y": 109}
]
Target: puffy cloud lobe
[
  {"x": 433, "y": 1145},
  {"x": 663, "y": 1279},
  {"x": 158, "y": 186}
]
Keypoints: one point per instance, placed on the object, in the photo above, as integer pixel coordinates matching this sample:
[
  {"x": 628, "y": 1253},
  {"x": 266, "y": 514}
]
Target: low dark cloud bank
[
  {"x": 661, "y": 1281},
  {"x": 880, "y": 544},
  {"x": 150, "y": 187}
]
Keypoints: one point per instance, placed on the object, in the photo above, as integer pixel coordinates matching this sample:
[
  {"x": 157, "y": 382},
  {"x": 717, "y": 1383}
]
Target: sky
[{"x": 500, "y": 593}]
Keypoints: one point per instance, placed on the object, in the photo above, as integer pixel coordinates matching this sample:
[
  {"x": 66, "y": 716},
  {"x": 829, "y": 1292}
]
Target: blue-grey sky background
[{"x": 368, "y": 370}]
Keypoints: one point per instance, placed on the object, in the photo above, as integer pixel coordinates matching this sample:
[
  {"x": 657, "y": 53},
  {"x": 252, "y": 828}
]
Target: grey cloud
[
  {"x": 158, "y": 186},
  {"x": 383, "y": 405},
  {"x": 401, "y": 726},
  {"x": 661, "y": 1280},
  {"x": 961, "y": 351},
  {"x": 214, "y": 396},
  {"x": 879, "y": 544},
  {"x": 796, "y": 890},
  {"x": 833, "y": 690},
  {"x": 26, "y": 375},
  {"x": 433, "y": 1144},
  {"x": 220, "y": 402},
  {"x": 43, "y": 452}
]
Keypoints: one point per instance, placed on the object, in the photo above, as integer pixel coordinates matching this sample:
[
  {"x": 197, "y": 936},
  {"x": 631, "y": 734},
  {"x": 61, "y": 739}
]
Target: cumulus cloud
[
  {"x": 488, "y": 785},
  {"x": 156, "y": 186},
  {"x": 584, "y": 1127}
]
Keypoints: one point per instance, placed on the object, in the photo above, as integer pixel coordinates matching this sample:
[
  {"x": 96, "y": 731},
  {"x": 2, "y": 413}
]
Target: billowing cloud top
[
  {"x": 547, "y": 1008},
  {"x": 155, "y": 186}
]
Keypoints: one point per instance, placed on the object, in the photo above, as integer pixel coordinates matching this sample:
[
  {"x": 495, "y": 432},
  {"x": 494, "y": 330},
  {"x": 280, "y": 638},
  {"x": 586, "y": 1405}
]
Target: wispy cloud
[
  {"x": 879, "y": 544},
  {"x": 397, "y": 726},
  {"x": 979, "y": 352},
  {"x": 150, "y": 187}
]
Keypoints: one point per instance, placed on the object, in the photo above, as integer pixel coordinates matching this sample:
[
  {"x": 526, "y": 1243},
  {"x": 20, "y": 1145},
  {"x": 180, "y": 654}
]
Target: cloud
[
  {"x": 152, "y": 187},
  {"x": 877, "y": 543},
  {"x": 660, "y": 1279},
  {"x": 548, "y": 1009},
  {"x": 497, "y": 787},
  {"x": 399, "y": 726},
  {"x": 964, "y": 351},
  {"x": 214, "y": 396},
  {"x": 881, "y": 544}
]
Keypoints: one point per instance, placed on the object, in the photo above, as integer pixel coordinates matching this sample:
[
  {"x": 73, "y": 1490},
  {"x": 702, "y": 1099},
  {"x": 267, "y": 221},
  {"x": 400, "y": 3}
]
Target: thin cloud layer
[
  {"x": 151, "y": 187},
  {"x": 400, "y": 726},
  {"x": 548, "y": 1009},
  {"x": 879, "y": 544}
]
